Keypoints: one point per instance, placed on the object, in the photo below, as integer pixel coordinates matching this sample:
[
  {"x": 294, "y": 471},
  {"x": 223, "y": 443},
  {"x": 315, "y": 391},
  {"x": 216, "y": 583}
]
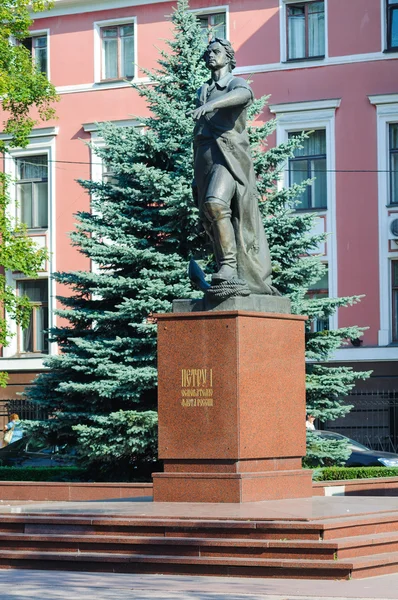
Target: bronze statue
[{"x": 225, "y": 185}]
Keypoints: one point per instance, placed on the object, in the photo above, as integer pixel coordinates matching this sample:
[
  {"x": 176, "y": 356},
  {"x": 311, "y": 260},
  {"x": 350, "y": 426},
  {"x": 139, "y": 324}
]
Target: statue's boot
[{"x": 224, "y": 243}]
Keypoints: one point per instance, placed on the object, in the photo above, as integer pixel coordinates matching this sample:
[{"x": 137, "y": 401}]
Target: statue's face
[{"x": 216, "y": 56}]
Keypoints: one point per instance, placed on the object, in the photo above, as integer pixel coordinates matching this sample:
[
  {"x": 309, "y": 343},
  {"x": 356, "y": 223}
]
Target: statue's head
[{"x": 219, "y": 53}]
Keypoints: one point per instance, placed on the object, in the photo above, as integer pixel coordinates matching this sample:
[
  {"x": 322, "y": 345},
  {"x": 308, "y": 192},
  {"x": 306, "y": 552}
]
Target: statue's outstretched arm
[{"x": 235, "y": 97}]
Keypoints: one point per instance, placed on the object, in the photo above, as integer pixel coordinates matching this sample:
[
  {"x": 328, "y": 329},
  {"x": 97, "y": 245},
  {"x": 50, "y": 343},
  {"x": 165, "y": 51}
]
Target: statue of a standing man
[{"x": 225, "y": 184}]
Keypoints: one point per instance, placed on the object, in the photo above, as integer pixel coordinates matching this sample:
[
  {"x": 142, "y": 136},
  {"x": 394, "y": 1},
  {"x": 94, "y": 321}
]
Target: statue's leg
[{"x": 218, "y": 214}]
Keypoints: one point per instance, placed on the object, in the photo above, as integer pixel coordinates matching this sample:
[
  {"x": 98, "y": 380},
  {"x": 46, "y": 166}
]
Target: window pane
[
  {"x": 395, "y": 273},
  {"x": 394, "y": 28},
  {"x": 126, "y": 30},
  {"x": 35, "y": 290},
  {"x": 217, "y": 23},
  {"x": 316, "y": 33},
  {"x": 316, "y": 7},
  {"x": 127, "y": 57},
  {"x": 318, "y": 191},
  {"x": 394, "y": 178},
  {"x": 109, "y": 59},
  {"x": 204, "y": 25},
  {"x": 24, "y": 196},
  {"x": 296, "y": 32},
  {"x": 394, "y": 136},
  {"x": 314, "y": 145},
  {"x": 40, "y": 41},
  {"x": 40, "y": 195},
  {"x": 32, "y": 167},
  {"x": 298, "y": 173},
  {"x": 109, "y": 32},
  {"x": 41, "y": 336},
  {"x": 27, "y": 336},
  {"x": 27, "y": 42},
  {"x": 41, "y": 59}
]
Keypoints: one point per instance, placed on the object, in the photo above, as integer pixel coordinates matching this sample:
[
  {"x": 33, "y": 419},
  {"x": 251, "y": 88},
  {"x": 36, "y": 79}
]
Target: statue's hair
[{"x": 230, "y": 52}]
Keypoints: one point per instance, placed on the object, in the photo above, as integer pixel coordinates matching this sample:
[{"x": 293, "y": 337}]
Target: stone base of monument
[{"x": 231, "y": 405}]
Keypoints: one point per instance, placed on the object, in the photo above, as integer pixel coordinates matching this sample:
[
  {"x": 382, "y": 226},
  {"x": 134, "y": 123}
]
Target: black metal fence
[
  {"x": 373, "y": 421},
  {"x": 26, "y": 410}
]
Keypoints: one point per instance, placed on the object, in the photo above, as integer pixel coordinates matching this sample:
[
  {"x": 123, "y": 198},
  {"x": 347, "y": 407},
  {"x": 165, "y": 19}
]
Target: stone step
[
  {"x": 372, "y": 566},
  {"x": 359, "y": 525},
  {"x": 327, "y": 529},
  {"x": 217, "y": 547},
  {"x": 127, "y": 563},
  {"x": 366, "y": 545}
]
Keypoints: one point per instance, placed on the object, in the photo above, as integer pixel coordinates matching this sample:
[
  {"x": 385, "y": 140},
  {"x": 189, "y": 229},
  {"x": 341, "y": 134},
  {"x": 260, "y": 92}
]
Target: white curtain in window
[
  {"x": 299, "y": 173},
  {"x": 109, "y": 59},
  {"x": 41, "y": 210},
  {"x": 319, "y": 185},
  {"x": 394, "y": 178},
  {"x": 24, "y": 195},
  {"x": 128, "y": 56},
  {"x": 27, "y": 336},
  {"x": 218, "y": 25},
  {"x": 296, "y": 36},
  {"x": 39, "y": 329},
  {"x": 316, "y": 34}
]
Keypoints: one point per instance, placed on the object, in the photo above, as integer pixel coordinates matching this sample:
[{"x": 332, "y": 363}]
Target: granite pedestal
[{"x": 231, "y": 407}]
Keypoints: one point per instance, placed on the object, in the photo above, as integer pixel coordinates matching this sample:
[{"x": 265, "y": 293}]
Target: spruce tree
[{"x": 140, "y": 233}]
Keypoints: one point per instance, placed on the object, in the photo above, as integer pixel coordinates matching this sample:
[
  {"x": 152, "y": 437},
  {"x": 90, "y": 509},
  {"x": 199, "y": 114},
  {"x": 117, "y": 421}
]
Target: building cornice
[
  {"x": 379, "y": 99},
  {"x": 70, "y": 7},
  {"x": 35, "y": 133},
  {"x": 93, "y": 127},
  {"x": 289, "y": 107}
]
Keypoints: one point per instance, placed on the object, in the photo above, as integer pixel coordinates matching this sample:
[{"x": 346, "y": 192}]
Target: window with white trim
[
  {"x": 392, "y": 24},
  {"x": 117, "y": 51},
  {"x": 34, "y": 338},
  {"x": 213, "y": 25},
  {"x": 394, "y": 299},
  {"x": 108, "y": 174},
  {"x": 38, "y": 48},
  {"x": 309, "y": 162},
  {"x": 393, "y": 147},
  {"x": 320, "y": 289},
  {"x": 32, "y": 190},
  {"x": 305, "y": 30}
]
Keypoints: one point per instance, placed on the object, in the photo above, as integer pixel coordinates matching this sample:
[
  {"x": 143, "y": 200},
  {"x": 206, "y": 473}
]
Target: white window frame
[
  {"x": 41, "y": 141},
  {"x": 38, "y": 33},
  {"x": 283, "y": 35},
  {"x": 213, "y": 10},
  {"x": 19, "y": 336},
  {"x": 31, "y": 230},
  {"x": 384, "y": 30},
  {"x": 301, "y": 116},
  {"x": 98, "y": 25},
  {"x": 386, "y": 114}
]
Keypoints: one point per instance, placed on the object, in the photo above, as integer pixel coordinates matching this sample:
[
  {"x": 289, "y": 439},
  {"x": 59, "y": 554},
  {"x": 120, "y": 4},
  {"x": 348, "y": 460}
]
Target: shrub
[
  {"x": 43, "y": 474},
  {"x": 344, "y": 473}
]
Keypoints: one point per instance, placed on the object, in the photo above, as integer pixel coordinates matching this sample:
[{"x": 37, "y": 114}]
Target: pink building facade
[{"x": 329, "y": 66}]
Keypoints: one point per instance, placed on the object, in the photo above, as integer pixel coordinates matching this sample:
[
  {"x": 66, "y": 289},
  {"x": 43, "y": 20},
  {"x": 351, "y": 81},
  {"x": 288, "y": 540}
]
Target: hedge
[
  {"x": 338, "y": 473},
  {"x": 43, "y": 474}
]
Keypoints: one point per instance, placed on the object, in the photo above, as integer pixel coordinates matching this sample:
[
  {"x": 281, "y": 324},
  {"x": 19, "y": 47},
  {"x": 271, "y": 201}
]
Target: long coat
[{"x": 222, "y": 136}]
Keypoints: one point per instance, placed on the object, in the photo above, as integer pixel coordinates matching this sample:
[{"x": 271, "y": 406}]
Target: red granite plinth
[{"x": 231, "y": 407}]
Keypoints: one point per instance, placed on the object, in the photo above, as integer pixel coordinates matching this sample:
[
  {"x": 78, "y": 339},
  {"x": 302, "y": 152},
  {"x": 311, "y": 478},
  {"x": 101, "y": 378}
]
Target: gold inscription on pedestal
[{"x": 196, "y": 387}]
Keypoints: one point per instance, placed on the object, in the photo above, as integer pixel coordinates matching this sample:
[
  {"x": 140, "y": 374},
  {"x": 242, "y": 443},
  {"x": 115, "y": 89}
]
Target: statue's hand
[{"x": 202, "y": 110}]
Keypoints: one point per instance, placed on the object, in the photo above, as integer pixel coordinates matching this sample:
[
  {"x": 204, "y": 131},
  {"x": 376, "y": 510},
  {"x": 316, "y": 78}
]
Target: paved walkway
[{"x": 59, "y": 585}]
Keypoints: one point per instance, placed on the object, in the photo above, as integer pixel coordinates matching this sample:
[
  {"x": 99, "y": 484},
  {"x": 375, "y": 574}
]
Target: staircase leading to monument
[{"x": 335, "y": 548}]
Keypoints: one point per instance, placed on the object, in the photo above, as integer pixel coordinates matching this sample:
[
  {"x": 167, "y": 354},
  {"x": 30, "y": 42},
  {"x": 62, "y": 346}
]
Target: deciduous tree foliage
[
  {"x": 22, "y": 87},
  {"x": 140, "y": 234}
]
